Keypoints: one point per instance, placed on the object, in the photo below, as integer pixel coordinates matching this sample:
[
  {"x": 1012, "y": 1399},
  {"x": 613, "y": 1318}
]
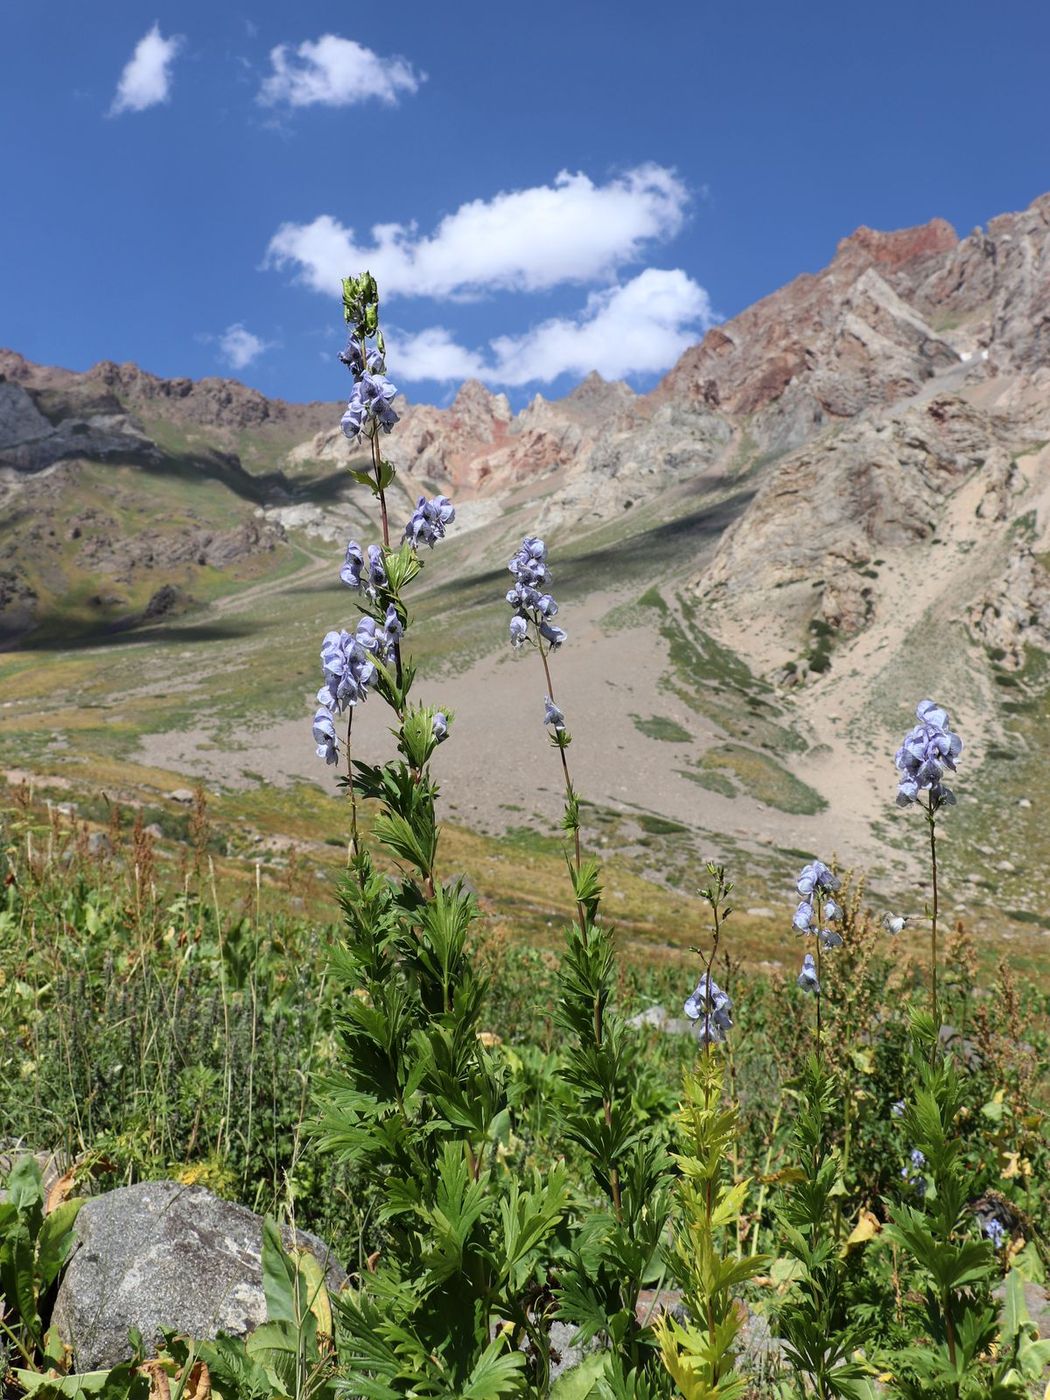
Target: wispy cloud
[
  {"x": 146, "y": 79},
  {"x": 239, "y": 347},
  {"x": 572, "y": 230},
  {"x": 335, "y": 72},
  {"x": 638, "y": 328}
]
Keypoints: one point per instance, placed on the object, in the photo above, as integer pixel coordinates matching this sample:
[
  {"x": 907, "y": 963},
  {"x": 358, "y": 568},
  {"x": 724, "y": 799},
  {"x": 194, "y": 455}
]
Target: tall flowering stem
[
  {"x": 700, "y": 1356},
  {"x": 816, "y": 913},
  {"x": 601, "y": 1111},
  {"x": 417, "y": 1100},
  {"x": 928, "y": 749},
  {"x": 931, "y": 819}
]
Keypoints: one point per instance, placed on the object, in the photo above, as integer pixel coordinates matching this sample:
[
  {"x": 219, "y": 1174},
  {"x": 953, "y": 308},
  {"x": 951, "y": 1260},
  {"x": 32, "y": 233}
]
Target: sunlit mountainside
[{"x": 833, "y": 505}]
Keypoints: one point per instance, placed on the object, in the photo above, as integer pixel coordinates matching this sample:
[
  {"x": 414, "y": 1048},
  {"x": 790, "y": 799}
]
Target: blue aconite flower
[
  {"x": 376, "y": 571},
  {"x": 352, "y": 572},
  {"x": 370, "y": 402},
  {"x": 324, "y": 734},
  {"x": 807, "y": 979},
  {"x": 347, "y": 667},
  {"x": 552, "y": 714},
  {"x": 995, "y": 1232},
  {"x": 816, "y": 909},
  {"x": 928, "y": 749},
  {"x": 912, "y": 1173},
  {"x": 528, "y": 597},
  {"x": 428, "y": 521},
  {"x": 439, "y": 726},
  {"x": 355, "y": 361},
  {"x": 897, "y": 1109},
  {"x": 817, "y": 876},
  {"x": 803, "y": 920},
  {"x": 709, "y": 1006}
]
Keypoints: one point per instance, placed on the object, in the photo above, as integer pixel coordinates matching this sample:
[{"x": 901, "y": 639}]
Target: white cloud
[
  {"x": 434, "y": 354},
  {"x": 239, "y": 347},
  {"x": 641, "y": 327},
  {"x": 520, "y": 240},
  {"x": 335, "y": 72},
  {"x": 146, "y": 79}
]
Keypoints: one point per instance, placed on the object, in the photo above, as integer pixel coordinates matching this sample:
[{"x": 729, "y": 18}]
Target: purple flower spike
[
  {"x": 709, "y": 1007},
  {"x": 528, "y": 598},
  {"x": 927, "y": 750},
  {"x": 370, "y": 404}
]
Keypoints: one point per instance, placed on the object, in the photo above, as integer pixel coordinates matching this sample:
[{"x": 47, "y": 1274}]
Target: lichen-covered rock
[{"x": 161, "y": 1255}]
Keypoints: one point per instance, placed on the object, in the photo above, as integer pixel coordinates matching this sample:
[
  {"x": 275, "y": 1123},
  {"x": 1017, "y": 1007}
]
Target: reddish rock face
[{"x": 901, "y": 246}]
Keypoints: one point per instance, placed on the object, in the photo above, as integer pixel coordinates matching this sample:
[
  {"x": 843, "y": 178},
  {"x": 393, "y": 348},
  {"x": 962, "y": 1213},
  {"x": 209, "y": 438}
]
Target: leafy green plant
[
  {"x": 957, "y": 1320},
  {"x": 820, "y": 1327},
  {"x": 33, "y": 1248},
  {"x": 292, "y": 1355},
  {"x": 700, "y": 1355}
]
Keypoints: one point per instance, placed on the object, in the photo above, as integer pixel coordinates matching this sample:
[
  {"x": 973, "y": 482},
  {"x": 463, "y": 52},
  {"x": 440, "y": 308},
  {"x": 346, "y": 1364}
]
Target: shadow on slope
[{"x": 83, "y": 633}]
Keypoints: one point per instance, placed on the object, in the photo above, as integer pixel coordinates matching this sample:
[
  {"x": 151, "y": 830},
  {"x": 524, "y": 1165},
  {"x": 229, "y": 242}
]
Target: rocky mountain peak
[
  {"x": 473, "y": 398},
  {"x": 898, "y": 247}
]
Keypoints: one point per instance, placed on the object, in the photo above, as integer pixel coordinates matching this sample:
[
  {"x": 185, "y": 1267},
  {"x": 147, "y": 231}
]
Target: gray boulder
[
  {"x": 160, "y": 1255},
  {"x": 661, "y": 1019}
]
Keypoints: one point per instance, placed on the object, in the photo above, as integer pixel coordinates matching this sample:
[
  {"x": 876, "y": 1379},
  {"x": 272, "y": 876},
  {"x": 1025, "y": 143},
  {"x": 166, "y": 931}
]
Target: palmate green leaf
[
  {"x": 387, "y": 473},
  {"x": 728, "y": 1205},
  {"x": 498, "y": 1372},
  {"x": 687, "y": 1354},
  {"x": 528, "y": 1218},
  {"x": 578, "y": 1299},
  {"x": 402, "y": 566},
  {"x": 417, "y": 846}
]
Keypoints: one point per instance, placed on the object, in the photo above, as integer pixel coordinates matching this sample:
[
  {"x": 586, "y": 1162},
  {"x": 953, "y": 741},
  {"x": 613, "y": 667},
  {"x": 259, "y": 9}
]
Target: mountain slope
[{"x": 835, "y": 503}]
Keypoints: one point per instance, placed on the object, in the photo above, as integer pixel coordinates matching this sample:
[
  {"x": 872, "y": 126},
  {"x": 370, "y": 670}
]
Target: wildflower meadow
[{"x": 827, "y": 1183}]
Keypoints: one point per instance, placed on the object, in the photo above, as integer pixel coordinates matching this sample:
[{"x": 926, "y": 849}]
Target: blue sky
[{"x": 557, "y": 187}]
